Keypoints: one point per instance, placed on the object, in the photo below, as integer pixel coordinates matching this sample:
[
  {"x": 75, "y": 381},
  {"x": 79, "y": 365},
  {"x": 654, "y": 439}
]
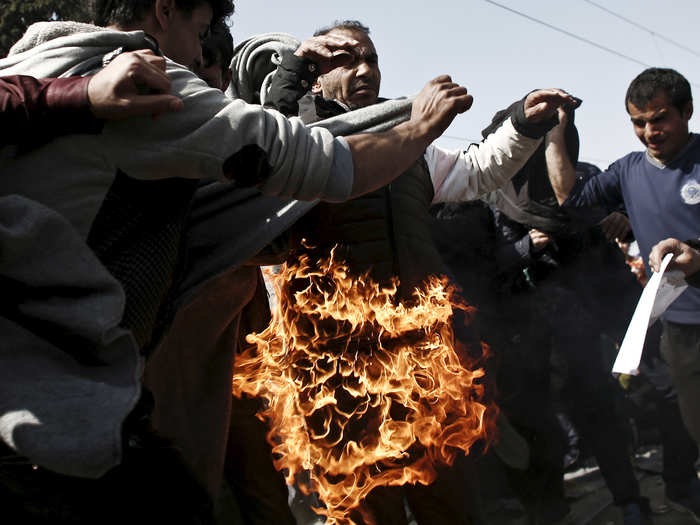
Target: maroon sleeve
[{"x": 35, "y": 110}]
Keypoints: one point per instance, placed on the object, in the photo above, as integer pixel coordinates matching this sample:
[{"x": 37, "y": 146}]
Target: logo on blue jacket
[{"x": 690, "y": 192}]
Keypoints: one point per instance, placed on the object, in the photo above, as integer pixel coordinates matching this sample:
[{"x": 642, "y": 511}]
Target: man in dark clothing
[
  {"x": 387, "y": 232},
  {"x": 557, "y": 251}
]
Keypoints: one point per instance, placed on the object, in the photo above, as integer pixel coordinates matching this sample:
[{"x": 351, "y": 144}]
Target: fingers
[
  {"x": 543, "y": 103},
  {"x": 659, "y": 251},
  {"x": 539, "y": 239},
  {"x": 437, "y": 104},
  {"x": 325, "y": 45},
  {"x": 152, "y": 104},
  {"x": 458, "y": 96},
  {"x": 147, "y": 76},
  {"x": 134, "y": 83},
  {"x": 149, "y": 57}
]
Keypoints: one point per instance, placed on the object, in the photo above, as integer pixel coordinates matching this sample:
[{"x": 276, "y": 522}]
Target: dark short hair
[
  {"x": 126, "y": 12},
  {"x": 650, "y": 82},
  {"x": 351, "y": 25},
  {"x": 218, "y": 46}
]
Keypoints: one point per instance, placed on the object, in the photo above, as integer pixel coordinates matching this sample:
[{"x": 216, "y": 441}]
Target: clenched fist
[{"x": 437, "y": 105}]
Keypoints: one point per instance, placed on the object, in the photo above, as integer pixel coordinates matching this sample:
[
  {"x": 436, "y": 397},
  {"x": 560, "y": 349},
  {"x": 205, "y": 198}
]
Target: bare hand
[
  {"x": 538, "y": 239},
  {"x": 132, "y": 84},
  {"x": 542, "y": 104},
  {"x": 437, "y": 104},
  {"x": 685, "y": 258},
  {"x": 328, "y": 51},
  {"x": 615, "y": 226}
]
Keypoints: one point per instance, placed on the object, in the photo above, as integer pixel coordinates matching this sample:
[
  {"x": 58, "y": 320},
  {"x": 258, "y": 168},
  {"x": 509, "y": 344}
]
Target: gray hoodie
[{"x": 72, "y": 174}]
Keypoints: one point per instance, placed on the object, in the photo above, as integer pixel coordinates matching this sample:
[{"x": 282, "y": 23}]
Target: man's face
[
  {"x": 181, "y": 41},
  {"x": 356, "y": 84},
  {"x": 660, "y": 126}
]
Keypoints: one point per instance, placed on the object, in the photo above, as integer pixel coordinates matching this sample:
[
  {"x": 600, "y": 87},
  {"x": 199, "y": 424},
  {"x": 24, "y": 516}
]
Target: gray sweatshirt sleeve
[{"x": 201, "y": 140}]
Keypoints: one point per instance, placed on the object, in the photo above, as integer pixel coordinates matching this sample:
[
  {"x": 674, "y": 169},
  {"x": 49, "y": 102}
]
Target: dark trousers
[
  {"x": 680, "y": 347},
  {"x": 452, "y": 499},
  {"x": 151, "y": 486}
]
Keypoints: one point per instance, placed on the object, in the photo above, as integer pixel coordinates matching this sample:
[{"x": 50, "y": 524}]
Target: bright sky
[{"x": 499, "y": 55}]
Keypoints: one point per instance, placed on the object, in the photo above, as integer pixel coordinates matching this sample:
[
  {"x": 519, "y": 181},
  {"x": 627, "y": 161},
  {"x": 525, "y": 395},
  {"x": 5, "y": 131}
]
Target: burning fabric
[{"x": 361, "y": 390}]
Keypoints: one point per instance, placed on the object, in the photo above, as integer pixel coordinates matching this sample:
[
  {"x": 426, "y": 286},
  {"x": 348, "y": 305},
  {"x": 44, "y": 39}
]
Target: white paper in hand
[{"x": 658, "y": 294}]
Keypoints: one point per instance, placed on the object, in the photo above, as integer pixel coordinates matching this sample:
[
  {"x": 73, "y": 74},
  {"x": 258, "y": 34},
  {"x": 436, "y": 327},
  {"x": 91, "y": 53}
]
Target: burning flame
[
  {"x": 635, "y": 263},
  {"x": 361, "y": 390}
]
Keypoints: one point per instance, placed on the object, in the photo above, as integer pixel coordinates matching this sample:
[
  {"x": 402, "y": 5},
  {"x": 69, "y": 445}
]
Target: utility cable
[
  {"x": 643, "y": 28},
  {"x": 573, "y": 35}
]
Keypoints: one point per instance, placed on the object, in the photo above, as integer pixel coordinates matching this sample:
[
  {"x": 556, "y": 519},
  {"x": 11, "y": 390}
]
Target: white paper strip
[{"x": 658, "y": 294}]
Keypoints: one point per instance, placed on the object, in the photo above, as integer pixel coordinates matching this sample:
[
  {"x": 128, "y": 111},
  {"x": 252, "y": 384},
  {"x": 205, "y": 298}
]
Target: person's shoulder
[{"x": 628, "y": 164}]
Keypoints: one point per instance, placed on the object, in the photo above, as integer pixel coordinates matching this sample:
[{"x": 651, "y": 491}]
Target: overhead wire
[
  {"x": 643, "y": 28},
  {"x": 573, "y": 35},
  {"x": 586, "y": 41},
  {"x": 568, "y": 33}
]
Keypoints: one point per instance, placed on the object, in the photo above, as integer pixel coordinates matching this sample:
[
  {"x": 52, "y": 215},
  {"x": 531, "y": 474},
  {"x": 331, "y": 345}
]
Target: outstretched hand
[
  {"x": 437, "y": 105},
  {"x": 328, "y": 51},
  {"x": 543, "y": 104},
  {"x": 134, "y": 83}
]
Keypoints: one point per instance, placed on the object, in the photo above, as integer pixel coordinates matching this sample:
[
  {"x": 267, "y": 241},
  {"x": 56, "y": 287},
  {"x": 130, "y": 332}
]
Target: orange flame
[{"x": 361, "y": 390}]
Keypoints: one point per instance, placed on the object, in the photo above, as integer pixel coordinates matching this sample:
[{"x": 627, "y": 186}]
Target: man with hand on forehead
[{"x": 386, "y": 232}]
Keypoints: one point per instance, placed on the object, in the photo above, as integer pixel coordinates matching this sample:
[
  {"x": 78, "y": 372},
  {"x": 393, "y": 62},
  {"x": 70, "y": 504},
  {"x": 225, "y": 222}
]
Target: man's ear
[
  {"x": 316, "y": 87},
  {"x": 164, "y": 11},
  {"x": 688, "y": 110},
  {"x": 226, "y": 79}
]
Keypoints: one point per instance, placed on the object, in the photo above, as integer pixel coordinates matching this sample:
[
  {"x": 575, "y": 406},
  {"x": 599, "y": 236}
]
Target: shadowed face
[
  {"x": 661, "y": 127},
  {"x": 181, "y": 39},
  {"x": 356, "y": 84}
]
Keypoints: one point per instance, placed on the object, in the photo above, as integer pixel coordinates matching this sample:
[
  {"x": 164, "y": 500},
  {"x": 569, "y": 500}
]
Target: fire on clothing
[{"x": 361, "y": 390}]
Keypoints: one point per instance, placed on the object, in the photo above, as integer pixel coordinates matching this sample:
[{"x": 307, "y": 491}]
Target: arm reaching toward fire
[{"x": 378, "y": 158}]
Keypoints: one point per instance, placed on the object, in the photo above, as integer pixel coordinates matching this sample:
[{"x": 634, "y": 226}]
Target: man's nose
[
  {"x": 652, "y": 128},
  {"x": 363, "y": 69}
]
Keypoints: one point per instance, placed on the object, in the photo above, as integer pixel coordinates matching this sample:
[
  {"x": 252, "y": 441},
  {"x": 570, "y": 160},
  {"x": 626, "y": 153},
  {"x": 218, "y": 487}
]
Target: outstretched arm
[
  {"x": 462, "y": 175},
  {"x": 378, "y": 158}
]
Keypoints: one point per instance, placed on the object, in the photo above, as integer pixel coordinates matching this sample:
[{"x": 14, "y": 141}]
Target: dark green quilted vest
[{"x": 385, "y": 232}]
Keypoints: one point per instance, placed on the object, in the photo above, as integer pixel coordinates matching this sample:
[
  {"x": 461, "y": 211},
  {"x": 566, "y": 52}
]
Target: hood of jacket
[{"x": 63, "y": 49}]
